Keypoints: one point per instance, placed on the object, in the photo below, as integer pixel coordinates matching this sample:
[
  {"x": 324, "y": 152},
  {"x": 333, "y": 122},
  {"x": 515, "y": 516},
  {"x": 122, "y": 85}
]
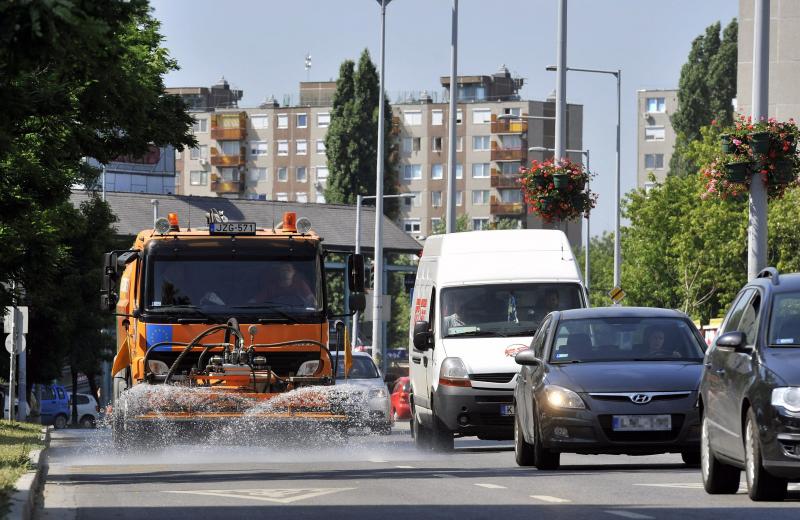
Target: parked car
[
  {"x": 364, "y": 373},
  {"x": 750, "y": 392},
  {"x": 54, "y": 406},
  {"x": 88, "y": 410},
  {"x": 479, "y": 298},
  {"x": 401, "y": 407},
  {"x": 609, "y": 380}
]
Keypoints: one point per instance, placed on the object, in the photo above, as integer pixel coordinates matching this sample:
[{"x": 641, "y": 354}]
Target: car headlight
[
  {"x": 453, "y": 372},
  {"x": 787, "y": 397},
  {"x": 375, "y": 393},
  {"x": 560, "y": 397}
]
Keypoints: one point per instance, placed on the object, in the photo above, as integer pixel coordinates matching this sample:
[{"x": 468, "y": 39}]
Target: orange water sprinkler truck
[{"x": 235, "y": 314}]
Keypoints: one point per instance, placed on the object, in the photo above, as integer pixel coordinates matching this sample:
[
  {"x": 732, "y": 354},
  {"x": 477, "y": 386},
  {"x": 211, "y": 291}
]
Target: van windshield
[{"x": 514, "y": 309}]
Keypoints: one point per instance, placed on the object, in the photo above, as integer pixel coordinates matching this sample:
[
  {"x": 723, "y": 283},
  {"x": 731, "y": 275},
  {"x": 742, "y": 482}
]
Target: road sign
[
  {"x": 386, "y": 310},
  {"x": 616, "y": 294},
  {"x": 8, "y": 317},
  {"x": 10, "y": 344}
]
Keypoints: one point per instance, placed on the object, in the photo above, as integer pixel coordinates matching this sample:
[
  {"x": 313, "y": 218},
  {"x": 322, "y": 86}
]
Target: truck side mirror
[
  {"x": 108, "y": 288},
  {"x": 423, "y": 339},
  {"x": 355, "y": 278}
]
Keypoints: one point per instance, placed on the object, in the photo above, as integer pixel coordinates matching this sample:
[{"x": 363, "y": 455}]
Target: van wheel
[
  {"x": 523, "y": 451},
  {"x": 760, "y": 484},
  {"x": 718, "y": 478},
  {"x": 422, "y": 435},
  {"x": 87, "y": 422},
  {"x": 443, "y": 439},
  {"x": 60, "y": 422}
]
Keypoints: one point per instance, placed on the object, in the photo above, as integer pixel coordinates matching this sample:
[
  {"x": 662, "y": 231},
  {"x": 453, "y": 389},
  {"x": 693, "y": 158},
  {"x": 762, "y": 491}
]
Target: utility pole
[
  {"x": 757, "y": 228},
  {"x": 561, "y": 81},
  {"x": 450, "y": 218}
]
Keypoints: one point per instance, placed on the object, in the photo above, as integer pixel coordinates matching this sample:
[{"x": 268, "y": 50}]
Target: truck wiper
[
  {"x": 188, "y": 307},
  {"x": 271, "y": 307},
  {"x": 478, "y": 333}
]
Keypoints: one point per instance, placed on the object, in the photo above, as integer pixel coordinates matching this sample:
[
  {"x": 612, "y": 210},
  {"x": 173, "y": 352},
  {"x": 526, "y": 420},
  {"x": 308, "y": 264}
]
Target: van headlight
[
  {"x": 453, "y": 372},
  {"x": 560, "y": 397},
  {"x": 376, "y": 393},
  {"x": 787, "y": 397}
]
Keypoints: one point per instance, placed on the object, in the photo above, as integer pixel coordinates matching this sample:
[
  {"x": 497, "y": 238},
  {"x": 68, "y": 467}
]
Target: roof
[
  {"x": 621, "y": 312},
  {"x": 334, "y": 222}
]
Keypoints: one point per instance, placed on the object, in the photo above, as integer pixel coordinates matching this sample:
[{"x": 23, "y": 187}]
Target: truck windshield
[
  {"x": 503, "y": 309},
  {"x": 246, "y": 285}
]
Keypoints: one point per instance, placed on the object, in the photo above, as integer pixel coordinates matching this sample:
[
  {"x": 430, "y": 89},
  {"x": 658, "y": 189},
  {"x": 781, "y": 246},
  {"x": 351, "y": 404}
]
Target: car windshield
[
  {"x": 363, "y": 368},
  {"x": 503, "y": 309},
  {"x": 784, "y": 321},
  {"x": 244, "y": 285},
  {"x": 626, "y": 339}
]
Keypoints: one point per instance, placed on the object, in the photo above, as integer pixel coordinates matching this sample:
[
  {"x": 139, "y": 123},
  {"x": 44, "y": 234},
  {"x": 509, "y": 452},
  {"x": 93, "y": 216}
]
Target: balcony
[
  {"x": 229, "y": 127},
  {"x": 217, "y": 159},
  {"x": 500, "y": 181},
  {"x": 509, "y": 154},
  {"x": 498, "y": 207},
  {"x": 508, "y": 126},
  {"x": 221, "y": 186}
]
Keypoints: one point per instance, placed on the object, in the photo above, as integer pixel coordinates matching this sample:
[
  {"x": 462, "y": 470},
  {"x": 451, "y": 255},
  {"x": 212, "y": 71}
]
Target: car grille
[
  {"x": 655, "y": 396},
  {"x": 663, "y": 436},
  {"x": 503, "y": 377}
]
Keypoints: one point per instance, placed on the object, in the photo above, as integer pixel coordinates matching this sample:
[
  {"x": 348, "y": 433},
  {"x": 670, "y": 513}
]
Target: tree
[
  {"x": 601, "y": 258},
  {"x": 351, "y": 141},
  {"x": 462, "y": 224},
  {"x": 706, "y": 90}
]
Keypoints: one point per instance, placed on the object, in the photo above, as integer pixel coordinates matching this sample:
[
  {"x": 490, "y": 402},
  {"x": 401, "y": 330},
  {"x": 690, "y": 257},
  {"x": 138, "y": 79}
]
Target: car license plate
[
  {"x": 641, "y": 423},
  {"x": 506, "y": 409},
  {"x": 232, "y": 228}
]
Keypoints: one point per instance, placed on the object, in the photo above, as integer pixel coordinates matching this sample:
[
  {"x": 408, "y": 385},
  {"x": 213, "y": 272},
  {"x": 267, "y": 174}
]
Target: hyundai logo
[{"x": 641, "y": 398}]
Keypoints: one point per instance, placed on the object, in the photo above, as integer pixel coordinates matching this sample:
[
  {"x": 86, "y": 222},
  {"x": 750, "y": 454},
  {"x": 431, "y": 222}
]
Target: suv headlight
[
  {"x": 453, "y": 372},
  {"x": 560, "y": 397},
  {"x": 787, "y": 397},
  {"x": 375, "y": 393}
]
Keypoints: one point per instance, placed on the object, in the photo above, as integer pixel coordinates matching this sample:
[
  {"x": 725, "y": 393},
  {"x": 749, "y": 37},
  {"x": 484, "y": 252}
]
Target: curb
[{"x": 23, "y": 500}]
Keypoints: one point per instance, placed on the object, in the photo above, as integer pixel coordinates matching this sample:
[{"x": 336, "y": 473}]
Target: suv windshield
[
  {"x": 246, "y": 285},
  {"x": 784, "y": 321},
  {"x": 626, "y": 339},
  {"x": 503, "y": 309}
]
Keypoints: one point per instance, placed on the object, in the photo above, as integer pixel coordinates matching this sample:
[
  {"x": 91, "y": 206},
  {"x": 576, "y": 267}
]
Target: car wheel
[
  {"x": 718, "y": 478},
  {"x": 422, "y": 435},
  {"x": 544, "y": 459},
  {"x": 691, "y": 458},
  {"x": 87, "y": 422},
  {"x": 394, "y": 416},
  {"x": 60, "y": 422},
  {"x": 760, "y": 484},
  {"x": 523, "y": 452}
]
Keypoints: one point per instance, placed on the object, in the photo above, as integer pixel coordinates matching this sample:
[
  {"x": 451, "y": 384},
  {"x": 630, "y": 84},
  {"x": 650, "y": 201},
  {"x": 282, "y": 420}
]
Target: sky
[{"x": 260, "y": 47}]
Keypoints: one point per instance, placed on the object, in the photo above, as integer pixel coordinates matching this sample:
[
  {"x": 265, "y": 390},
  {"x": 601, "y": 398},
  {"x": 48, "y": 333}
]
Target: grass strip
[{"x": 16, "y": 442}]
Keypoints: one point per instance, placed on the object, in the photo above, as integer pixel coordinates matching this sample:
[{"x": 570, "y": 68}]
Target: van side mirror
[
  {"x": 355, "y": 278},
  {"x": 423, "y": 339},
  {"x": 108, "y": 288},
  {"x": 735, "y": 341},
  {"x": 527, "y": 358}
]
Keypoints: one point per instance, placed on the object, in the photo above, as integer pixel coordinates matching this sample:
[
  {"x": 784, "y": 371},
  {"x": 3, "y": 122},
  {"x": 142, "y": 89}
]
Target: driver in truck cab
[{"x": 284, "y": 285}]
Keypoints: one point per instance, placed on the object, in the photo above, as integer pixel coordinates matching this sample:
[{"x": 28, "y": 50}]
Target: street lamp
[
  {"x": 359, "y": 200},
  {"x": 617, "y": 249}
]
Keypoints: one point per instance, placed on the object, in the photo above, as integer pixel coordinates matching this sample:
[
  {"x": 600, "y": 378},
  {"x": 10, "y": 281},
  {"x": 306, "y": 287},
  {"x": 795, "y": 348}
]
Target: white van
[{"x": 478, "y": 298}]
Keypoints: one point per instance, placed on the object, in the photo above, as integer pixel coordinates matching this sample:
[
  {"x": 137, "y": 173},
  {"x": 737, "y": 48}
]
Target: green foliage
[
  {"x": 462, "y": 224},
  {"x": 601, "y": 263},
  {"x": 505, "y": 223},
  {"x": 351, "y": 141},
  {"x": 706, "y": 89}
]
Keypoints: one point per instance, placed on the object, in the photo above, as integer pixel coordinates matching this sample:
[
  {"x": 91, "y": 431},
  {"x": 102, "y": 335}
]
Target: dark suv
[{"x": 750, "y": 391}]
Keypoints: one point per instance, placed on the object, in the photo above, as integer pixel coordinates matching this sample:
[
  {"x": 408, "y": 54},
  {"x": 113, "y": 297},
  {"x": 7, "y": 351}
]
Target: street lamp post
[
  {"x": 450, "y": 219},
  {"x": 618, "y": 195}
]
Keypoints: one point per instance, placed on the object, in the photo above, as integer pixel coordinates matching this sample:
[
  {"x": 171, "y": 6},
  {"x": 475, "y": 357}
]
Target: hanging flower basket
[
  {"x": 784, "y": 172},
  {"x": 759, "y": 142},
  {"x": 739, "y": 171},
  {"x": 556, "y": 190},
  {"x": 725, "y": 144}
]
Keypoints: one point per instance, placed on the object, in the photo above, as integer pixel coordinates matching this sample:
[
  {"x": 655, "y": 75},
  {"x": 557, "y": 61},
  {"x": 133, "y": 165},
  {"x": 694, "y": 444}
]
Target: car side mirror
[
  {"x": 527, "y": 358},
  {"x": 423, "y": 339},
  {"x": 735, "y": 341}
]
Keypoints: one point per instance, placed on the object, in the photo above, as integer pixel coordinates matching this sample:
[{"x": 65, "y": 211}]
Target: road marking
[
  {"x": 491, "y": 486},
  {"x": 677, "y": 485},
  {"x": 377, "y": 460},
  {"x": 281, "y": 496},
  {"x": 405, "y": 467},
  {"x": 552, "y": 500},
  {"x": 630, "y": 514}
]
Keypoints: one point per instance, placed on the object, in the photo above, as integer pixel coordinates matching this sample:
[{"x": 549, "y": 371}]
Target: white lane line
[
  {"x": 377, "y": 460},
  {"x": 552, "y": 500},
  {"x": 491, "y": 486},
  {"x": 630, "y": 514},
  {"x": 405, "y": 467}
]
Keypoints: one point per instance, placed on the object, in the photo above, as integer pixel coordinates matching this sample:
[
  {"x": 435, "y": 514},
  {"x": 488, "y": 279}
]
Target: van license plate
[
  {"x": 641, "y": 423},
  {"x": 506, "y": 409}
]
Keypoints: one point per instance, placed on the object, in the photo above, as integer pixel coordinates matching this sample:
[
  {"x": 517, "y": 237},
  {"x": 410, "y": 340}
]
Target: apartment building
[{"x": 655, "y": 137}]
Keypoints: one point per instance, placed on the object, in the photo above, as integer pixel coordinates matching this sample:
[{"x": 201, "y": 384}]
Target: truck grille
[{"x": 502, "y": 377}]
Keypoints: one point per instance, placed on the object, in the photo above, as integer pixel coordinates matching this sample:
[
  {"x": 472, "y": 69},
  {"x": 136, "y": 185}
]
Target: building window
[
  {"x": 436, "y": 144},
  {"x": 412, "y": 171},
  {"x": 510, "y": 196},
  {"x": 656, "y": 105},
  {"x": 283, "y": 174},
  {"x": 481, "y": 143},
  {"x": 323, "y": 120},
  {"x": 654, "y": 161},
  {"x": 460, "y": 144},
  {"x": 283, "y": 120},
  {"x": 436, "y": 199},
  {"x": 260, "y": 122},
  {"x": 301, "y": 197},
  {"x": 230, "y": 174},
  {"x": 320, "y": 146},
  {"x": 480, "y": 197},
  {"x": 301, "y": 146},
  {"x": 459, "y": 116},
  {"x": 512, "y": 111},
  {"x": 510, "y": 142},
  {"x": 411, "y": 225},
  {"x": 412, "y": 117},
  {"x": 200, "y": 126},
  {"x": 649, "y": 186},
  {"x": 322, "y": 173},
  {"x": 282, "y": 197},
  {"x": 301, "y": 120},
  {"x": 258, "y": 174},
  {"x": 319, "y": 194},
  {"x": 435, "y": 224},
  {"x": 480, "y": 223},
  {"x": 230, "y": 147},
  {"x": 258, "y": 148},
  {"x": 301, "y": 174},
  {"x": 198, "y": 178},
  {"x": 459, "y": 198},
  {"x": 654, "y": 133},
  {"x": 415, "y": 201},
  {"x": 283, "y": 147},
  {"x": 437, "y": 172},
  {"x": 411, "y": 144},
  {"x": 481, "y": 116},
  {"x": 459, "y": 171},
  {"x": 480, "y": 170},
  {"x": 437, "y": 117},
  {"x": 199, "y": 152},
  {"x": 509, "y": 168}
]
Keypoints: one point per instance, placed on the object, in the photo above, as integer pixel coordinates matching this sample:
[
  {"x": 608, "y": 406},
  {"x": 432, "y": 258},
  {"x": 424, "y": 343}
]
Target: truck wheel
[
  {"x": 760, "y": 484},
  {"x": 718, "y": 478},
  {"x": 60, "y": 422}
]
